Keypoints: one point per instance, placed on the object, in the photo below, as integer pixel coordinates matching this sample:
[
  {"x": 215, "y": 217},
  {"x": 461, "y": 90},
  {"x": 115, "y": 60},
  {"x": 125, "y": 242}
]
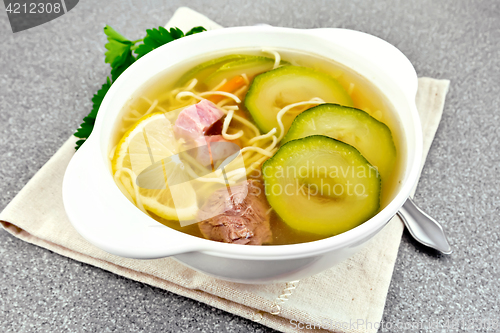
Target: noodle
[
  {"x": 152, "y": 107},
  {"x": 112, "y": 152},
  {"x": 249, "y": 159},
  {"x": 239, "y": 91},
  {"x": 257, "y": 149},
  {"x": 161, "y": 109},
  {"x": 275, "y": 142},
  {"x": 277, "y": 57},
  {"x": 223, "y": 93},
  {"x": 287, "y": 108},
  {"x": 223, "y": 102},
  {"x": 245, "y": 122},
  {"x": 247, "y": 154},
  {"x": 263, "y": 136},
  {"x": 231, "y": 107},
  {"x": 194, "y": 162},
  {"x": 147, "y": 100},
  {"x": 130, "y": 119},
  {"x": 133, "y": 119},
  {"x": 137, "y": 113},
  {"x": 223, "y": 82},
  {"x": 196, "y": 177},
  {"x": 183, "y": 94},
  {"x": 256, "y": 164},
  {"x": 245, "y": 78},
  {"x": 168, "y": 96},
  {"x": 192, "y": 84},
  {"x": 227, "y": 121}
]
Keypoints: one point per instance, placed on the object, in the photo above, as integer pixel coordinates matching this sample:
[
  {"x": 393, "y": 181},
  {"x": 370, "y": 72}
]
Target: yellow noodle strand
[
  {"x": 183, "y": 94},
  {"x": 255, "y": 165},
  {"x": 192, "y": 84},
  {"x": 224, "y": 102},
  {"x": 112, "y": 152},
  {"x": 152, "y": 107},
  {"x": 281, "y": 113},
  {"x": 241, "y": 90},
  {"x": 263, "y": 136},
  {"x": 245, "y": 122},
  {"x": 223, "y": 82},
  {"x": 227, "y": 121},
  {"x": 147, "y": 99},
  {"x": 231, "y": 107},
  {"x": 257, "y": 149},
  {"x": 222, "y": 93},
  {"x": 245, "y": 78},
  {"x": 277, "y": 57}
]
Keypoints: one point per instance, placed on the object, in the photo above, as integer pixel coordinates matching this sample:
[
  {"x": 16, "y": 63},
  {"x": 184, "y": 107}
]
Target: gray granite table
[{"x": 49, "y": 73}]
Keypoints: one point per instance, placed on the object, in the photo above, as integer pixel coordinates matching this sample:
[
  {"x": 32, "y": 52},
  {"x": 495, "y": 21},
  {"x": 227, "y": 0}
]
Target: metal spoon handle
[{"x": 424, "y": 228}]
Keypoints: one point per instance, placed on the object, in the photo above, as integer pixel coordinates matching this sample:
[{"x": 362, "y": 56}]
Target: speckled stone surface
[{"x": 49, "y": 73}]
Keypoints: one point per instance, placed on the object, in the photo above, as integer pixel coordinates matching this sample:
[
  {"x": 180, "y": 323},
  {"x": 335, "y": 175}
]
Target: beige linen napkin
[{"x": 353, "y": 291}]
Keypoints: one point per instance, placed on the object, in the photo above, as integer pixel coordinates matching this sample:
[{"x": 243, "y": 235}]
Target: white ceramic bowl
[{"x": 102, "y": 215}]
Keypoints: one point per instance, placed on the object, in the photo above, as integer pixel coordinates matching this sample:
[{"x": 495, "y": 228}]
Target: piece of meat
[
  {"x": 216, "y": 128},
  {"x": 194, "y": 120},
  {"x": 239, "y": 217},
  {"x": 218, "y": 151},
  {"x": 196, "y": 124}
]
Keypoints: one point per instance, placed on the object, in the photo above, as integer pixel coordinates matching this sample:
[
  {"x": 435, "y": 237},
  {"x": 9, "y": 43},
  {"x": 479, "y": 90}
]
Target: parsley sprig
[{"x": 120, "y": 54}]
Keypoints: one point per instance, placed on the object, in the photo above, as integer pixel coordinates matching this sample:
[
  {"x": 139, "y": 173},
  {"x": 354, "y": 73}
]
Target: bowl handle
[
  {"x": 377, "y": 51},
  {"x": 106, "y": 218}
]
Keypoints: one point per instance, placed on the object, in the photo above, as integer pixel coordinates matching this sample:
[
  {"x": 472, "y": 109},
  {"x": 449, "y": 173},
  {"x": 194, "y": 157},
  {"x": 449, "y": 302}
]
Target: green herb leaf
[
  {"x": 154, "y": 39},
  {"x": 88, "y": 122},
  {"x": 79, "y": 143},
  {"x": 118, "y": 70},
  {"x": 118, "y": 47},
  {"x": 195, "y": 30},
  {"x": 84, "y": 130},
  {"x": 114, "y": 35},
  {"x": 161, "y": 36},
  {"x": 98, "y": 97},
  {"x": 176, "y": 33}
]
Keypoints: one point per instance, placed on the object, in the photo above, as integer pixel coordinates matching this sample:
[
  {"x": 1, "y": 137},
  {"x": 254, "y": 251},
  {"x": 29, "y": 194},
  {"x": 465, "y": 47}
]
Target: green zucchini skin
[
  {"x": 203, "y": 70},
  {"x": 249, "y": 65},
  {"x": 307, "y": 184},
  {"x": 277, "y": 88},
  {"x": 352, "y": 126}
]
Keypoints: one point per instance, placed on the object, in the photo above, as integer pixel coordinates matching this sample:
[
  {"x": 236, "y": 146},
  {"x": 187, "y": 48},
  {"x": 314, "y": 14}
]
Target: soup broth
[{"x": 161, "y": 95}]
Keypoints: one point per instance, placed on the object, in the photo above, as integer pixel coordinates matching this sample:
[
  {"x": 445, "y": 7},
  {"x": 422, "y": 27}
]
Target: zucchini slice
[
  {"x": 275, "y": 89},
  {"x": 249, "y": 65},
  {"x": 352, "y": 126},
  {"x": 203, "y": 70},
  {"x": 321, "y": 185}
]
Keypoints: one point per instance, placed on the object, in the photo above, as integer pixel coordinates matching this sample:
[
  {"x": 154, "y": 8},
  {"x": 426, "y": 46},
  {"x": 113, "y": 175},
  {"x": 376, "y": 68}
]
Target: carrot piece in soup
[{"x": 230, "y": 86}]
